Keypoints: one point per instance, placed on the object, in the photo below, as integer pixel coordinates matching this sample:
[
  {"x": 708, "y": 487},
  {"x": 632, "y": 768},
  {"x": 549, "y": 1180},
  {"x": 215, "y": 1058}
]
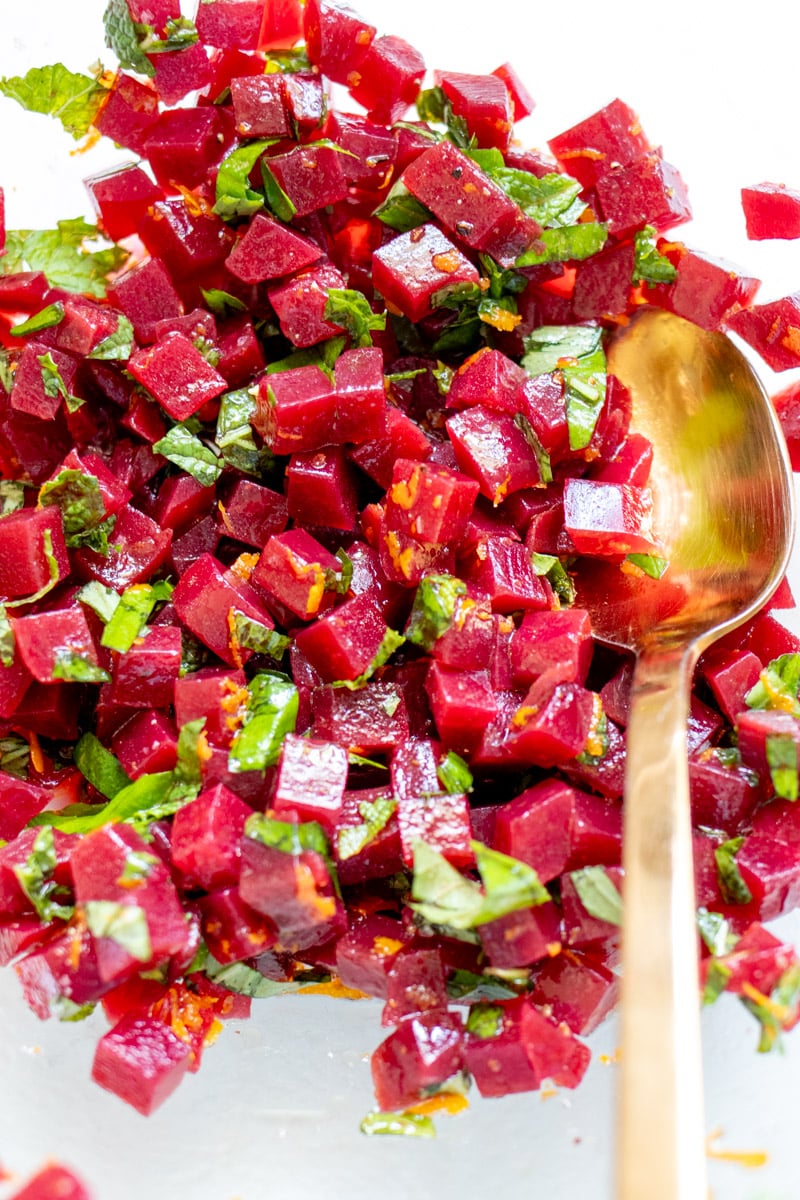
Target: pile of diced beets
[{"x": 355, "y": 652}]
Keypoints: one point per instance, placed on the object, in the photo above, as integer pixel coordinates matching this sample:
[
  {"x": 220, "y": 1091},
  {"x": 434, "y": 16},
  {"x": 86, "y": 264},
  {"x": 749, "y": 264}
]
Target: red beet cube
[
  {"x": 129, "y": 113},
  {"x": 493, "y": 449},
  {"x": 649, "y": 191},
  {"x": 730, "y": 676},
  {"x": 601, "y": 141},
  {"x": 142, "y": 1061},
  {"x": 230, "y": 24},
  {"x": 403, "y": 439},
  {"x": 771, "y": 210},
  {"x": 424, "y": 1051},
  {"x": 137, "y": 549},
  {"x": 146, "y": 743},
  {"x": 499, "y": 1063},
  {"x": 441, "y": 819},
  {"x": 19, "y": 801},
  {"x": 723, "y": 794},
  {"x": 268, "y": 250},
  {"x": 367, "y": 721},
  {"x": 501, "y": 567},
  {"x": 771, "y": 871},
  {"x": 360, "y": 395},
  {"x": 555, "y": 640},
  {"x": 205, "y": 598},
  {"x": 259, "y": 107},
  {"x": 306, "y": 98},
  {"x": 429, "y": 503},
  {"x": 522, "y": 103},
  {"x": 336, "y": 37},
  {"x": 299, "y": 303},
  {"x": 414, "y": 269},
  {"x": 121, "y": 198},
  {"x": 184, "y": 144},
  {"x": 65, "y": 968},
  {"x": 321, "y": 489},
  {"x": 240, "y": 353},
  {"x": 30, "y": 393},
  {"x": 177, "y": 374},
  {"x": 181, "y": 500},
  {"x": 295, "y": 891},
  {"x": 49, "y": 642},
  {"x": 773, "y": 330},
  {"x": 367, "y": 952},
  {"x": 371, "y": 150},
  {"x": 388, "y": 78},
  {"x": 462, "y": 702},
  {"x": 292, "y": 569},
  {"x": 311, "y": 175},
  {"x": 631, "y": 463},
  {"x": 484, "y": 104},
  {"x": 310, "y": 780},
  {"x": 53, "y": 1182},
  {"x": 215, "y": 694},
  {"x": 188, "y": 240},
  {"x": 281, "y": 25},
  {"x": 31, "y": 540},
  {"x": 542, "y": 826},
  {"x": 252, "y": 513},
  {"x": 523, "y": 937},
  {"x": 415, "y": 984},
  {"x": 608, "y": 519},
  {"x": 343, "y": 643},
  {"x": 487, "y": 378},
  {"x": 705, "y": 289},
  {"x": 603, "y": 283},
  {"x": 145, "y": 675},
  {"x": 553, "y": 723},
  {"x": 232, "y": 930},
  {"x": 576, "y": 989},
  {"x": 580, "y": 927},
  {"x": 146, "y": 295}
]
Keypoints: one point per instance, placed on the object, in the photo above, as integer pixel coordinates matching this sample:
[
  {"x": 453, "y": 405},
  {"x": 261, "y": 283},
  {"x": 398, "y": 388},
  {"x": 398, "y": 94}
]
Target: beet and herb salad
[{"x": 303, "y": 445}]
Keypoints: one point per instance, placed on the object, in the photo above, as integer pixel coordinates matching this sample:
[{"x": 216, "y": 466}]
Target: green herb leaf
[
  {"x": 64, "y": 1009},
  {"x": 252, "y": 635},
  {"x": 540, "y": 454},
  {"x": 125, "y": 924},
  {"x": 80, "y": 499},
  {"x": 290, "y": 837},
  {"x": 101, "y": 599},
  {"x": 238, "y": 977},
  {"x": 778, "y": 686},
  {"x": 485, "y": 1020},
  {"x": 391, "y": 641},
  {"x": 554, "y": 570},
  {"x": 375, "y": 815},
  {"x": 651, "y": 564},
  {"x": 180, "y": 33},
  {"x": 234, "y": 195},
  {"x": 53, "y": 382},
  {"x": 401, "y": 211},
  {"x": 323, "y": 355},
  {"x": 509, "y": 884},
  {"x": 129, "y": 617},
  {"x": 271, "y": 713},
  {"x": 350, "y": 310},
  {"x": 62, "y": 255},
  {"x": 7, "y": 640},
  {"x": 72, "y": 98},
  {"x": 443, "y": 896},
  {"x": 576, "y": 351},
  {"x": 397, "y": 1124},
  {"x": 35, "y": 877},
  {"x": 118, "y": 346},
  {"x": 718, "y": 976},
  {"x": 6, "y": 374},
  {"x": 185, "y": 450},
  {"x": 12, "y": 496},
  {"x": 716, "y": 931},
  {"x": 100, "y": 767},
  {"x": 650, "y": 266},
  {"x": 570, "y": 243},
  {"x": 221, "y": 303},
  {"x": 454, "y": 775},
  {"x": 277, "y": 199},
  {"x": 75, "y": 669},
  {"x": 187, "y": 777},
  {"x": 139, "y": 803},
  {"x": 433, "y": 105},
  {"x": 731, "y": 884},
  {"x": 469, "y": 987},
  {"x": 782, "y": 761},
  {"x": 15, "y": 755},
  {"x": 46, "y": 318},
  {"x": 234, "y": 434},
  {"x": 434, "y": 608},
  {"x": 598, "y": 894},
  {"x": 138, "y": 868},
  {"x": 551, "y": 200},
  {"x": 122, "y": 37}
]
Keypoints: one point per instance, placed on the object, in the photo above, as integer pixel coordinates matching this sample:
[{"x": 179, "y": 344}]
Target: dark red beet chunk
[{"x": 141, "y": 1061}]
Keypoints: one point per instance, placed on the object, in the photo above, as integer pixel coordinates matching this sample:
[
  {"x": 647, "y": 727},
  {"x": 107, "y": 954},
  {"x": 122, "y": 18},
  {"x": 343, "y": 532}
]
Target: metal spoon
[{"x": 723, "y": 508}]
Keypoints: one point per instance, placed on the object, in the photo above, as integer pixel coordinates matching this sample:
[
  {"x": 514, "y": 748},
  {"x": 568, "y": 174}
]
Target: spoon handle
[{"x": 661, "y": 1151}]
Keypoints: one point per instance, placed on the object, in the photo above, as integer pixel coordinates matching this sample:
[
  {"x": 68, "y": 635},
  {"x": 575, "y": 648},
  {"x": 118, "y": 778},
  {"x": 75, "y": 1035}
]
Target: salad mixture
[{"x": 303, "y": 446}]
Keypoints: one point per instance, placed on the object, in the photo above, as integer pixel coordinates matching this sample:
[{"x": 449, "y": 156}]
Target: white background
[{"x": 275, "y": 1108}]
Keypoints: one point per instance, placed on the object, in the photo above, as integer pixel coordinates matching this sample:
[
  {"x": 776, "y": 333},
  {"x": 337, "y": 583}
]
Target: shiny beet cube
[{"x": 415, "y": 268}]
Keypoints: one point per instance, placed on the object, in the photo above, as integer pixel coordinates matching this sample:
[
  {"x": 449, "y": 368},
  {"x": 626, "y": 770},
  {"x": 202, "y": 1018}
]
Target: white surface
[{"x": 275, "y": 1108}]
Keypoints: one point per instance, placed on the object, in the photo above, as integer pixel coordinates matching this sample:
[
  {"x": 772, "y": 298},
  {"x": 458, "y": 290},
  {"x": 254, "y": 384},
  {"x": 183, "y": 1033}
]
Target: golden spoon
[{"x": 723, "y": 508}]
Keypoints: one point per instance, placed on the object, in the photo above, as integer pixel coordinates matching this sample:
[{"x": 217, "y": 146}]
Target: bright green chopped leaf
[
  {"x": 466, "y": 986},
  {"x": 234, "y": 434},
  {"x": 339, "y": 581},
  {"x": 125, "y": 924},
  {"x": 238, "y": 977},
  {"x": 778, "y": 1011},
  {"x": 392, "y": 640},
  {"x": 782, "y": 761},
  {"x": 187, "y": 777},
  {"x": 185, "y": 450},
  {"x": 35, "y": 877},
  {"x": 731, "y": 884},
  {"x": 221, "y": 303},
  {"x": 509, "y": 883},
  {"x": 64, "y": 1009},
  {"x": 7, "y": 639},
  {"x": 778, "y": 686},
  {"x": 118, "y": 346},
  {"x": 542, "y": 457},
  {"x": 442, "y": 896},
  {"x": 350, "y": 310},
  {"x": 46, "y": 318},
  {"x": 72, "y": 98},
  {"x": 485, "y": 1020},
  {"x": 102, "y": 769},
  {"x": 570, "y": 243},
  {"x": 375, "y": 815},
  {"x": 577, "y": 352},
  {"x": 433, "y": 105},
  {"x": 598, "y": 894},
  {"x": 718, "y": 976},
  {"x": 401, "y": 211},
  {"x": 650, "y": 266},
  {"x": 138, "y": 803},
  {"x": 74, "y": 668},
  {"x": 127, "y": 621},
  {"x": 290, "y": 837},
  {"x": 271, "y": 713},
  {"x": 52, "y": 380},
  {"x": 15, "y": 755},
  {"x": 6, "y": 374},
  {"x": 101, "y": 599},
  {"x": 180, "y": 32},
  {"x": 397, "y": 1124},
  {"x": 288, "y": 61},
  {"x": 12, "y": 496},
  {"x": 138, "y": 867},
  {"x": 555, "y": 571},
  {"x": 63, "y": 256},
  {"x": 549, "y": 346},
  {"x": 122, "y": 37},
  {"x": 80, "y": 499},
  {"x": 454, "y": 775},
  {"x": 252, "y": 635},
  {"x": 651, "y": 564},
  {"x": 277, "y": 199},
  {"x": 234, "y": 195},
  {"x": 551, "y": 200},
  {"x": 434, "y": 608}
]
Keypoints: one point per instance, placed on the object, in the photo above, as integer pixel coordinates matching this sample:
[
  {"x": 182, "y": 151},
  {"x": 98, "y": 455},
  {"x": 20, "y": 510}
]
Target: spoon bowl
[{"x": 723, "y": 511}]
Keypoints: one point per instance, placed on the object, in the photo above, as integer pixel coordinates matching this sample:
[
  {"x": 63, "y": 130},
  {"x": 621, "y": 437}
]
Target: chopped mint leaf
[
  {"x": 138, "y": 868},
  {"x": 552, "y": 200},
  {"x": 15, "y": 755},
  {"x": 718, "y": 976},
  {"x": 234, "y": 434},
  {"x": 46, "y": 318},
  {"x": 731, "y": 884},
  {"x": 485, "y": 1020},
  {"x": 52, "y": 380},
  {"x": 555, "y": 571},
  {"x": 127, "y": 621},
  {"x": 454, "y": 775},
  {"x": 101, "y": 599},
  {"x": 651, "y": 564},
  {"x": 391, "y": 641},
  {"x": 542, "y": 457},
  {"x": 76, "y": 669},
  {"x": 433, "y": 105},
  {"x": 323, "y": 355},
  {"x": 434, "y": 608},
  {"x": 125, "y": 924},
  {"x": 180, "y": 32},
  {"x": 6, "y": 374},
  {"x": 100, "y": 767},
  {"x": 375, "y": 815},
  {"x": 339, "y": 581},
  {"x": 778, "y": 1011},
  {"x": 118, "y": 346},
  {"x": 234, "y": 195},
  {"x": 271, "y": 714},
  {"x": 252, "y": 635},
  {"x": 598, "y": 894},
  {"x": 401, "y": 211},
  {"x": 62, "y": 255},
  {"x": 398, "y": 1124},
  {"x": 222, "y": 303},
  {"x": 12, "y": 496},
  {"x": 138, "y": 803},
  {"x": 238, "y": 977},
  {"x": 8, "y": 642},
  {"x": 577, "y": 352},
  {"x": 35, "y": 877},
  {"x": 57, "y": 92},
  {"x": 466, "y": 986},
  {"x": 650, "y": 266},
  {"x": 187, "y": 777},
  {"x": 277, "y": 199},
  {"x": 442, "y": 896},
  {"x": 350, "y": 310},
  {"x": 80, "y": 499},
  {"x": 122, "y": 37},
  {"x": 778, "y": 686},
  {"x": 64, "y": 1009},
  {"x": 290, "y": 837},
  {"x": 783, "y": 766},
  {"x": 185, "y": 450},
  {"x": 569, "y": 243}
]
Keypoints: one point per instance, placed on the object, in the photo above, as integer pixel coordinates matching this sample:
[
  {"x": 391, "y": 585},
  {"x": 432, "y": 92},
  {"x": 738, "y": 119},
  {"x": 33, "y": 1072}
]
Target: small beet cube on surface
[
  {"x": 522, "y": 103},
  {"x": 232, "y": 930},
  {"x": 295, "y": 891},
  {"x": 177, "y": 374},
  {"x": 183, "y": 144},
  {"x": 293, "y": 568},
  {"x": 493, "y": 449},
  {"x": 343, "y": 643},
  {"x": 205, "y": 598},
  {"x": 129, "y": 113},
  {"x": 53, "y": 1182},
  {"x": 300, "y": 301},
  {"x": 612, "y": 136},
  {"x": 268, "y": 249},
  {"x": 367, "y": 952},
  {"x": 577, "y": 989},
  {"x": 388, "y": 78},
  {"x": 138, "y": 547},
  {"x": 230, "y": 24},
  {"x": 649, "y": 191},
  {"x": 523, "y": 937},
  {"x": 771, "y": 210},
  {"x": 424, "y": 1051},
  {"x": 484, "y": 103},
  {"x": 773, "y": 330},
  {"x": 295, "y": 410},
  {"x": 142, "y": 1061},
  {"x": 321, "y": 489},
  {"x": 31, "y": 540},
  {"x": 416, "y": 267},
  {"x": 706, "y": 288},
  {"x": 64, "y": 968},
  {"x": 311, "y": 176},
  {"x": 494, "y": 1053}
]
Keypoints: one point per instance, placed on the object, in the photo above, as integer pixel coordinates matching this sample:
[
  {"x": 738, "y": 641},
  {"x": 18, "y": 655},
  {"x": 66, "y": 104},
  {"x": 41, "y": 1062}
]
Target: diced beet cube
[
  {"x": 469, "y": 204},
  {"x": 259, "y": 107},
  {"x": 177, "y": 374},
  {"x": 415, "y": 984},
  {"x": 522, "y": 103},
  {"x": 730, "y": 675},
  {"x": 773, "y": 330},
  {"x": 552, "y": 1050},
  {"x": 137, "y": 549},
  {"x": 371, "y": 150},
  {"x": 608, "y": 519},
  {"x": 370, "y": 720},
  {"x": 310, "y": 780},
  {"x": 486, "y": 378},
  {"x": 178, "y": 72},
  {"x": 129, "y": 113},
  {"x": 403, "y": 439},
  {"x": 336, "y": 37},
  {"x": 306, "y": 98},
  {"x": 469, "y": 643},
  {"x": 321, "y": 489},
  {"x": 295, "y": 891},
  {"x": 612, "y": 136},
  {"x": 424, "y": 1051},
  {"x": 146, "y": 743},
  {"x": 771, "y": 210},
  {"x": 183, "y": 144},
  {"x": 53, "y": 1182},
  {"x": 367, "y": 952},
  {"x": 553, "y": 723},
  {"x": 343, "y": 643},
  {"x": 206, "y": 597},
  {"x": 559, "y": 639},
  {"x": 31, "y": 545},
  {"x": 388, "y": 78},
  {"x": 188, "y": 240},
  {"x": 293, "y": 568},
  {"x": 462, "y": 702},
  {"x": 268, "y": 250},
  {"x": 311, "y": 176},
  {"x": 484, "y": 104},
  {"x": 523, "y": 937},
  {"x": 142, "y": 1061},
  {"x": 705, "y": 289},
  {"x": 493, "y": 449},
  {"x": 380, "y": 855},
  {"x": 442, "y": 820},
  {"x": 122, "y": 197},
  {"x": 49, "y": 709},
  {"x": 771, "y": 871},
  {"x": 649, "y": 191},
  {"x": 113, "y": 492},
  {"x": 580, "y": 927},
  {"x": 498, "y": 1061},
  {"x": 603, "y": 283},
  {"x": 230, "y": 24},
  {"x": 240, "y": 352},
  {"x": 252, "y": 513},
  {"x": 360, "y": 395},
  {"x": 20, "y": 800},
  {"x": 50, "y": 642},
  {"x": 145, "y": 675},
  {"x": 501, "y": 567},
  {"x": 723, "y": 793},
  {"x": 30, "y": 393},
  {"x": 83, "y": 326},
  {"x": 65, "y": 968},
  {"x": 216, "y": 694},
  {"x": 181, "y": 500},
  {"x": 430, "y": 503},
  {"x": 146, "y": 295},
  {"x": 299, "y": 303},
  {"x": 548, "y": 826},
  {"x": 232, "y": 930},
  {"x": 15, "y": 680},
  {"x": 756, "y": 727},
  {"x": 576, "y": 989},
  {"x": 631, "y": 464},
  {"x": 415, "y": 269}
]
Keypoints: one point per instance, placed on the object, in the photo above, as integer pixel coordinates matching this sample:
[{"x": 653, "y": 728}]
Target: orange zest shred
[
  {"x": 37, "y": 758},
  {"x": 443, "y": 1102},
  {"x": 244, "y": 565},
  {"x": 234, "y": 644},
  {"x": 335, "y": 988},
  {"x": 744, "y": 1158}
]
